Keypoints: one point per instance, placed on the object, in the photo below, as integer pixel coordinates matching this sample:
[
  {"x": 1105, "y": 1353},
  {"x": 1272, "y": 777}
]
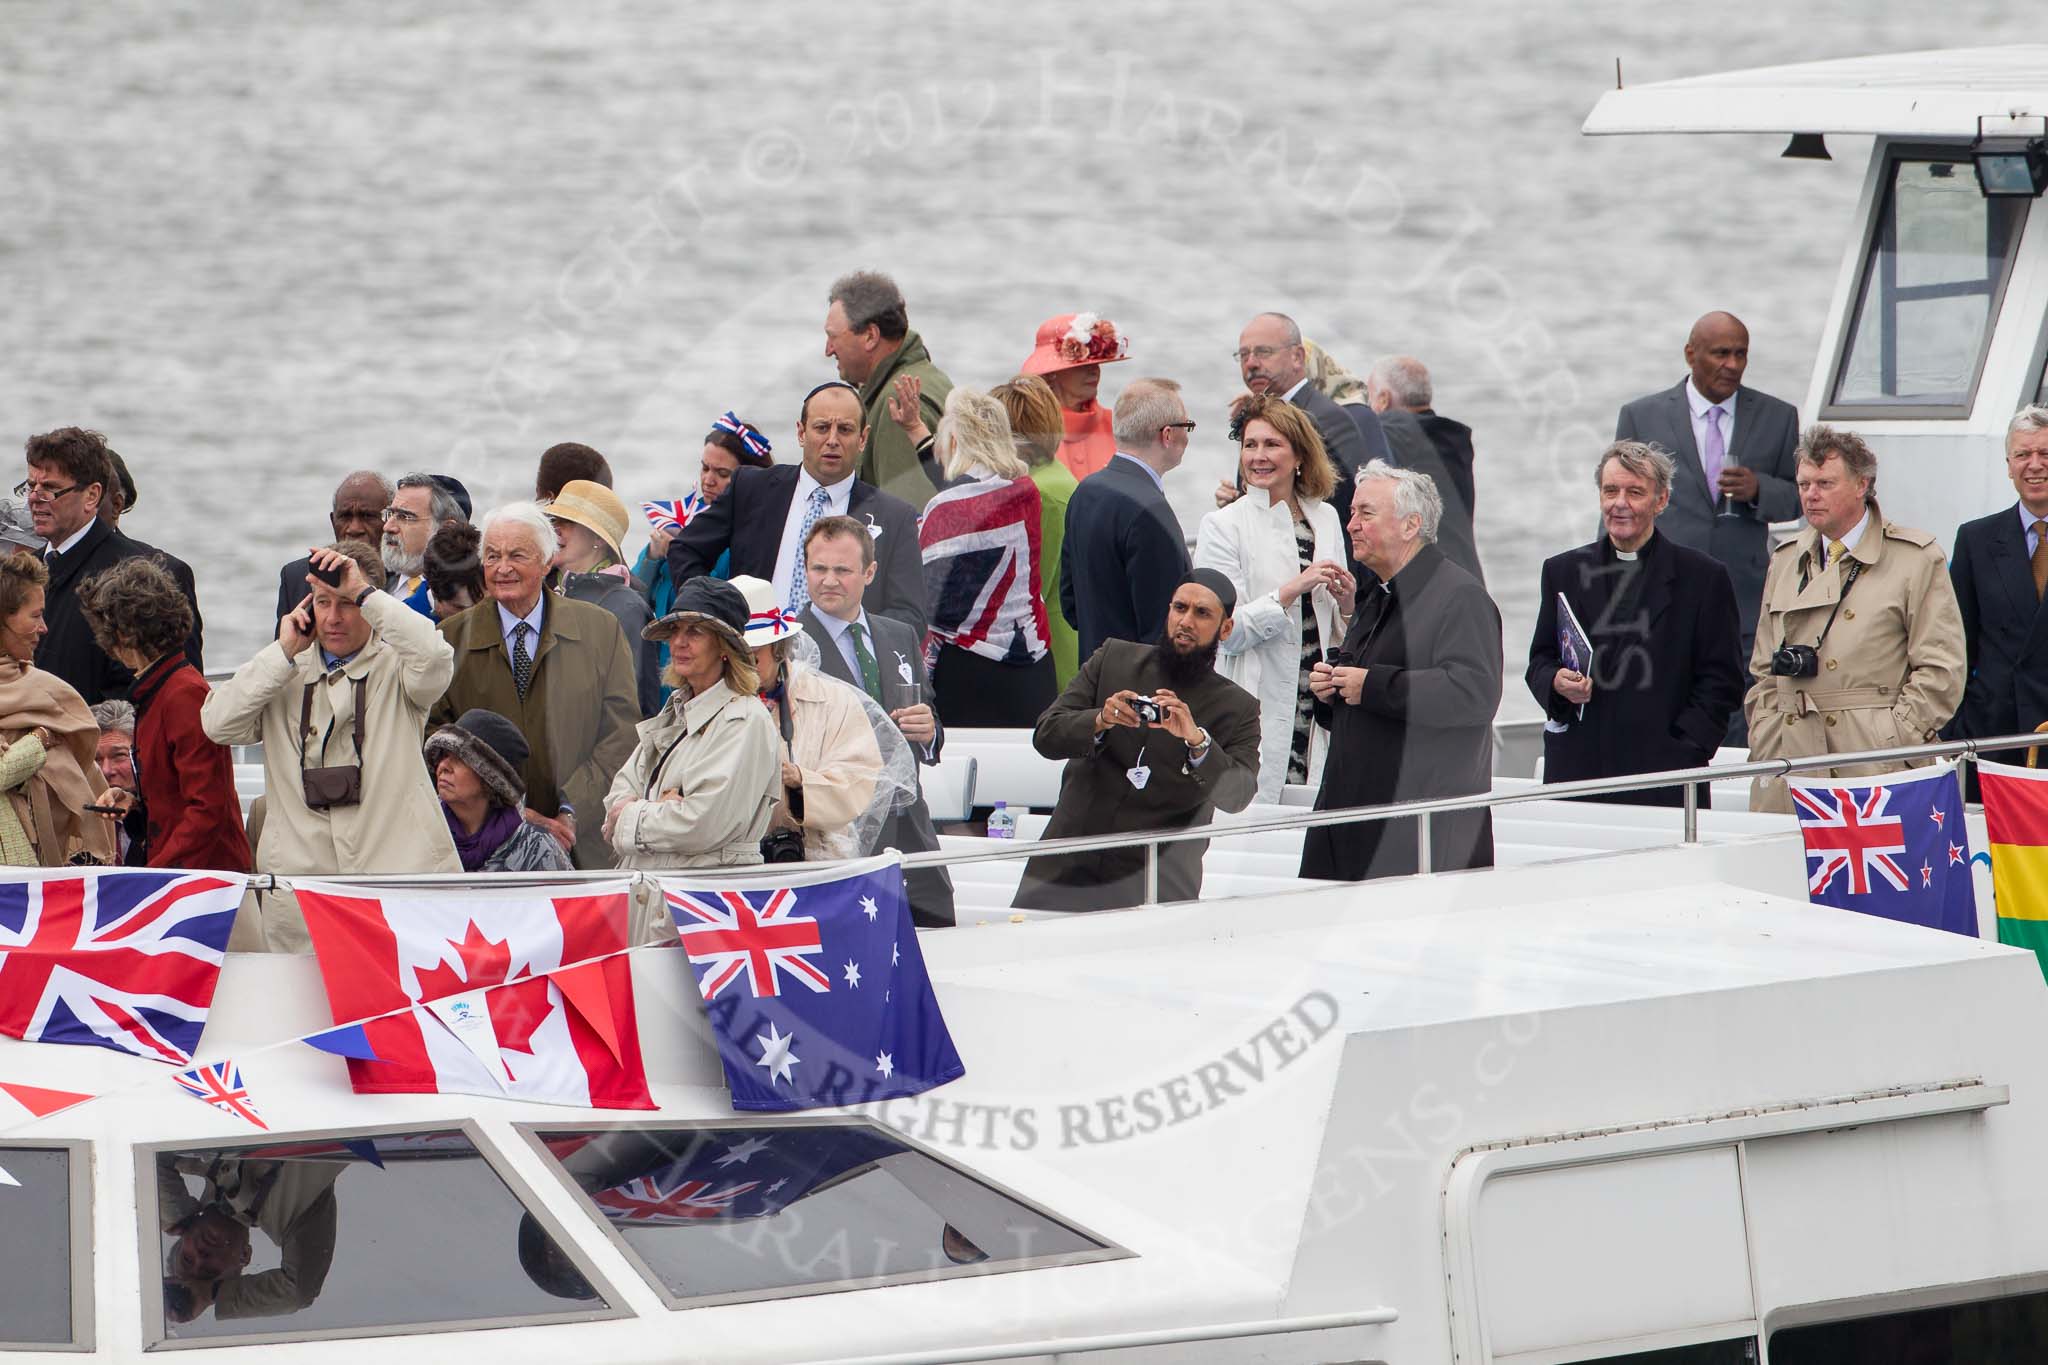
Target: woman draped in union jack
[{"x": 988, "y": 650}]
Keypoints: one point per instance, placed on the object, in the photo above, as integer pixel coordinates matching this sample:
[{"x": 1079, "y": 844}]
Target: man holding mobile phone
[{"x": 339, "y": 702}]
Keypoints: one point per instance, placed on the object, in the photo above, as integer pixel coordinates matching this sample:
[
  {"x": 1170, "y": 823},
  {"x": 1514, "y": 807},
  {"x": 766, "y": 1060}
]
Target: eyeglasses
[
  {"x": 400, "y": 515},
  {"x": 1178, "y": 426},
  {"x": 42, "y": 492},
  {"x": 1242, "y": 354}
]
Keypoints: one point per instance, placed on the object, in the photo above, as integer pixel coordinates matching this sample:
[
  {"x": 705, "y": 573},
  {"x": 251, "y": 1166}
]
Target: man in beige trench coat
[{"x": 1890, "y": 671}]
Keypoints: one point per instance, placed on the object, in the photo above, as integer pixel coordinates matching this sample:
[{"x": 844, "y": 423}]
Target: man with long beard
[
  {"x": 1154, "y": 738},
  {"x": 422, "y": 505}
]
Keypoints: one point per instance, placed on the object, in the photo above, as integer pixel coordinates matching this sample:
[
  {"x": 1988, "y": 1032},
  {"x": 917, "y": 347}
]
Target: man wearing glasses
[
  {"x": 1124, "y": 551},
  {"x": 69, "y": 473},
  {"x": 423, "y": 504}
]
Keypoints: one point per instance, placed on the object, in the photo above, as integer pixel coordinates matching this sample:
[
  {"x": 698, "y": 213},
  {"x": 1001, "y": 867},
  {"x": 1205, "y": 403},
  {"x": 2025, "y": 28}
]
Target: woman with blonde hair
[
  {"x": 987, "y": 651},
  {"x": 47, "y": 740},
  {"x": 699, "y": 789},
  {"x": 1281, "y": 546},
  {"x": 1036, "y": 431}
]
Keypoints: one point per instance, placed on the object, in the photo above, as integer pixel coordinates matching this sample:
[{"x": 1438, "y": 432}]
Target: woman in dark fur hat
[{"x": 476, "y": 764}]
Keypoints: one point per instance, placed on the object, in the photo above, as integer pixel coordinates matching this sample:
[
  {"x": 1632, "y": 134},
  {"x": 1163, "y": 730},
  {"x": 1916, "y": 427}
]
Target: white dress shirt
[
  {"x": 506, "y": 621},
  {"x": 69, "y": 542},
  {"x": 1849, "y": 540},
  {"x": 837, "y": 498}
]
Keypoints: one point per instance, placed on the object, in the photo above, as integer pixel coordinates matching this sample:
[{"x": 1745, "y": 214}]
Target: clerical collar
[{"x": 1628, "y": 555}]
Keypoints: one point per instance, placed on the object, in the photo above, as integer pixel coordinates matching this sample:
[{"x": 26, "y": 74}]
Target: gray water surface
[{"x": 259, "y": 245}]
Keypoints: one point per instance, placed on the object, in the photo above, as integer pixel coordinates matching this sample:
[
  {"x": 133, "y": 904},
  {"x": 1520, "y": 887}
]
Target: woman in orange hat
[{"x": 1069, "y": 353}]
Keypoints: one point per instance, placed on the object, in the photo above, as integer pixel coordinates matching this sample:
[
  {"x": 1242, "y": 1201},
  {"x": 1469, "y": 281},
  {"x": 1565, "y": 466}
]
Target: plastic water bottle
[{"x": 1001, "y": 823}]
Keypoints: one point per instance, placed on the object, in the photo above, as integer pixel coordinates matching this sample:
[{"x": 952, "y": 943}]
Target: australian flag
[
  {"x": 642, "y": 1178},
  {"x": 1893, "y": 846},
  {"x": 814, "y": 986}
]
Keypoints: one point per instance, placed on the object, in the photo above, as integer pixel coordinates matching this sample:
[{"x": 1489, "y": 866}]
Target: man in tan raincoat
[{"x": 1890, "y": 669}]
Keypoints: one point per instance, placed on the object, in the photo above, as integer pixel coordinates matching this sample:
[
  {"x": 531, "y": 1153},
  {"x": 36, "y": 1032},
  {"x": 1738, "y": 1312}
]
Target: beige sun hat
[{"x": 596, "y": 509}]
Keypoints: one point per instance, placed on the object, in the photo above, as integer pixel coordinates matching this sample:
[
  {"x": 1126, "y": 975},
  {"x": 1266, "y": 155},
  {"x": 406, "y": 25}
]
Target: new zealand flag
[
  {"x": 815, "y": 988},
  {"x": 1891, "y": 846}
]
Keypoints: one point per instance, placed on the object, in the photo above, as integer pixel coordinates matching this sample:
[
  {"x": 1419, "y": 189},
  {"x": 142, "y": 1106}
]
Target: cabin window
[
  {"x": 721, "y": 1214},
  {"x": 45, "y": 1253},
  {"x": 1741, "y": 1351},
  {"x": 345, "y": 1235},
  {"x": 1988, "y": 1332},
  {"x": 1934, "y": 270}
]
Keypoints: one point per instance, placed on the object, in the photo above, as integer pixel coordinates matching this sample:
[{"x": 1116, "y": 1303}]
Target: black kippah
[{"x": 1225, "y": 590}]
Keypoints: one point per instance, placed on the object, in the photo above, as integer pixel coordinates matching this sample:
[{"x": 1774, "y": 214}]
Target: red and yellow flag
[{"x": 2016, "y": 823}]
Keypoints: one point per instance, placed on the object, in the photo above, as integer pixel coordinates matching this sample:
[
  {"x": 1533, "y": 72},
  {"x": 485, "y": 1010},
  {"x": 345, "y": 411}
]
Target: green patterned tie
[{"x": 870, "y": 675}]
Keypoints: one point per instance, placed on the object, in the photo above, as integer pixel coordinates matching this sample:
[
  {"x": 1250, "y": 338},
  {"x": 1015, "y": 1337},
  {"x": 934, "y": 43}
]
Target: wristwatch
[
  {"x": 364, "y": 595},
  {"x": 1203, "y": 747}
]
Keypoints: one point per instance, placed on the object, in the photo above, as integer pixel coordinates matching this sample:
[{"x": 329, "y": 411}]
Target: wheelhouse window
[
  {"x": 723, "y": 1214},
  {"x": 45, "y": 1262},
  {"x": 1740, "y": 1351},
  {"x": 1988, "y": 1332},
  {"x": 1934, "y": 270},
  {"x": 346, "y": 1235}
]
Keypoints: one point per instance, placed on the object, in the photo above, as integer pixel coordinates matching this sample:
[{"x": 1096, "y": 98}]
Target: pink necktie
[{"x": 1716, "y": 452}]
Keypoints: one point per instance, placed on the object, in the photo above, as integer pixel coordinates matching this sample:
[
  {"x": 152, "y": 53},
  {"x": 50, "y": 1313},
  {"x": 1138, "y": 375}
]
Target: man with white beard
[{"x": 422, "y": 505}]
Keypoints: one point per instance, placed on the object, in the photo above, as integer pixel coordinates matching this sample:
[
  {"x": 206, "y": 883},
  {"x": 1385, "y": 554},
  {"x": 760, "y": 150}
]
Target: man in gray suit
[
  {"x": 884, "y": 658},
  {"x": 1734, "y": 453}
]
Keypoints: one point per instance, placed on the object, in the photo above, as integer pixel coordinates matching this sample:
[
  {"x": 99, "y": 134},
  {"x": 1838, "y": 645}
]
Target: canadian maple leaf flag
[{"x": 563, "y": 1037}]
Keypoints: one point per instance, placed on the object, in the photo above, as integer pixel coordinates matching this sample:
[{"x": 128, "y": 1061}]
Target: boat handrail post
[
  {"x": 1151, "y": 872},
  {"x": 1692, "y": 813},
  {"x": 1422, "y": 850}
]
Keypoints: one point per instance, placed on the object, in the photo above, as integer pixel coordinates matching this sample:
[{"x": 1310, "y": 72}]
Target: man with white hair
[
  {"x": 1399, "y": 389},
  {"x": 1999, "y": 570},
  {"x": 558, "y": 669},
  {"x": 1410, "y": 697},
  {"x": 1124, "y": 551}
]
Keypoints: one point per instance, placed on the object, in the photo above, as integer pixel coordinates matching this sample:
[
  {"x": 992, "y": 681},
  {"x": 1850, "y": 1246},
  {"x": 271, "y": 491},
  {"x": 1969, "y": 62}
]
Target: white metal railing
[{"x": 1690, "y": 779}]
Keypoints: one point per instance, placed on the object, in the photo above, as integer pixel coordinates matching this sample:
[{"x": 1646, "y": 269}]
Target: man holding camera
[
  {"x": 1154, "y": 738},
  {"x": 339, "y": 703},
  {"x": 1859, "y": 644}
]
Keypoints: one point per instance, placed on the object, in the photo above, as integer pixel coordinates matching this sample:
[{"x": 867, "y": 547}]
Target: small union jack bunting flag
[{"x": 220, "y": 1085}]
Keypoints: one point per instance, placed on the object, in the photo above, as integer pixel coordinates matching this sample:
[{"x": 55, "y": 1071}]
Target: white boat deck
[{"x": 1262, "y": 1101}]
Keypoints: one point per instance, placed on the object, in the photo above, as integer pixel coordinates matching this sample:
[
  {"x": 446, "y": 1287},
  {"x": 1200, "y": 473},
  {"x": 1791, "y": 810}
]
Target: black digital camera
[
  {"x": 1148, "y": 710},
  {"x": 1795, "y": 661}
]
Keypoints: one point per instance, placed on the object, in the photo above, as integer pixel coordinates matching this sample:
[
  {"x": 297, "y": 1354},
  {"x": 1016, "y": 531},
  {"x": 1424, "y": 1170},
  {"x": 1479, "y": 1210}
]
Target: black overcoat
[{"x": 1421, "y": 728}]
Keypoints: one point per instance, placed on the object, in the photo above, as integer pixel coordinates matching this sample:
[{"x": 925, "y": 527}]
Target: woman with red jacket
[{"x": 139, "y": 618}]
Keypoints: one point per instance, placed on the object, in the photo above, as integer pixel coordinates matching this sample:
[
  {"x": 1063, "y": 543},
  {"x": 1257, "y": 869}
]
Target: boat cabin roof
[{"x": 1938, "y": 94}]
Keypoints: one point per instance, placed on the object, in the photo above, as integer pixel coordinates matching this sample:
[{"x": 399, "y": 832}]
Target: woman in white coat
[{"x": 1282, "y": 546}]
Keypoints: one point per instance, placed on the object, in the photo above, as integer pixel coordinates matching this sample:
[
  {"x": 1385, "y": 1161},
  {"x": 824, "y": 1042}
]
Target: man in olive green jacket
[
  {"x": 578, "y": 711},
  {"x": 867, "y": 331}
]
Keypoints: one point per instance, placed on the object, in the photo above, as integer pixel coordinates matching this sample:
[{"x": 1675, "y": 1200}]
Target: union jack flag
[
  {"x": 220, "y": 1085},
  {"x": 1879, "y": 846},
  {"x": 668, "y": 1198},
  {"x": 673, "y": 514},
  {"x": 1847, "y": 831},
  {"x": 981, "y": 570},
  {"x": 125, "y": 960},
  {"x": 727, "y": 934},
  {"x": 749, "y": 437}
]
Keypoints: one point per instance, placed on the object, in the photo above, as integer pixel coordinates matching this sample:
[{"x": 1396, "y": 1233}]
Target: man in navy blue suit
[
  {"x": 1124, "y": 552},
  {"x": 1999, "y": 570},
  {"x": 765, "y": 516}
]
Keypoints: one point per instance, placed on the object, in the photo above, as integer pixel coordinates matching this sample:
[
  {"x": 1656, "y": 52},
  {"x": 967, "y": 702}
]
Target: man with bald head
[
  {"x": 1733, "y": 447},
  {"x": 1273, "y": 361},
  {"x": 357, "y": 514}
]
